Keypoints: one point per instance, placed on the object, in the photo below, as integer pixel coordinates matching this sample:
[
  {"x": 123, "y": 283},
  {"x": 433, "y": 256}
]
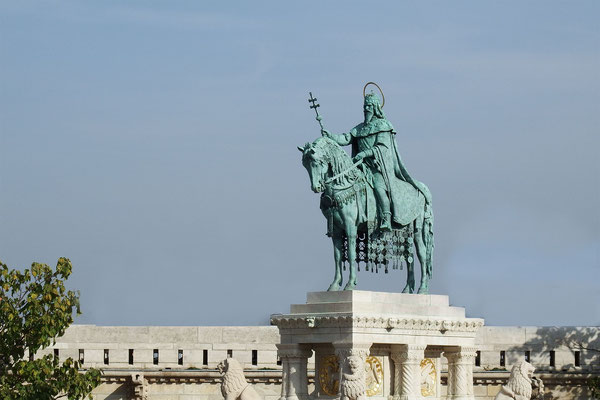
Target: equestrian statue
[{"x": 376, "y": 212}]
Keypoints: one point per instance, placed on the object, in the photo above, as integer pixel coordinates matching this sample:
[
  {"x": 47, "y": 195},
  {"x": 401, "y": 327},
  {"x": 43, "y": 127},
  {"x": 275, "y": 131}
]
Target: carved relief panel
[
  {"x": 329, "y": 375},
  {"x": 428, "y": 378}
]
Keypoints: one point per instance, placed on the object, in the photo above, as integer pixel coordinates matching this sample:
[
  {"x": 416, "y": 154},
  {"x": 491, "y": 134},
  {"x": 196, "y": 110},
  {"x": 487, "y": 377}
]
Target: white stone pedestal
[{"x": 401, "y": 334}]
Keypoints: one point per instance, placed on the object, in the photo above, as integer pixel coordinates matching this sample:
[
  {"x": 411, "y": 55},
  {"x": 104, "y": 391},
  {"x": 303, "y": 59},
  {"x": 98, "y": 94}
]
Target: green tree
[
  {"x": 35, "y": 309},
  {"x": 594, "y": 386}
]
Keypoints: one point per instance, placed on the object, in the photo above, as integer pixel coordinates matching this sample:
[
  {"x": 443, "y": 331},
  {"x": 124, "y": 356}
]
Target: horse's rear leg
[
  {"x": 422, "y": 254},
  {"x": 338, "y": 247},
  {"x": 410, "y": 277}
]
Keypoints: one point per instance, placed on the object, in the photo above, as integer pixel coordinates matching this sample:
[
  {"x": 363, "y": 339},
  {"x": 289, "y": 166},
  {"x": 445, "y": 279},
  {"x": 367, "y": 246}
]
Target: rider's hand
[
  {"x": 326, "y": 133},
  {"x": 358, "y": 157}
]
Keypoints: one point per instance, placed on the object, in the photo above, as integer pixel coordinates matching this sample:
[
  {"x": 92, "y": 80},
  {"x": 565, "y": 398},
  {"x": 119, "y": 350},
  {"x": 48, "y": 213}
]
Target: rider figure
[{"x": 373, "y": 142}]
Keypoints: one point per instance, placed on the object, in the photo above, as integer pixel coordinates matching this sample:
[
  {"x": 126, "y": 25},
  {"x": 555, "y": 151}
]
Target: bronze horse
[{"x": 348, "y": 203}]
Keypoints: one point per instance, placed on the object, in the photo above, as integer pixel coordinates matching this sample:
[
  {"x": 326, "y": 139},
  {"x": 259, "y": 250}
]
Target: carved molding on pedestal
[
  {"x": 346, "y": 321},
  {"x": 293, "y": 351}
]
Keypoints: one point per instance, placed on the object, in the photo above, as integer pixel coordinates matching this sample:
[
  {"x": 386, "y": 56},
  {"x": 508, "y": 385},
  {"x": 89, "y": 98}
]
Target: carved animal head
[
  {"x": 520, "y": 378},
  {"x": 222, "y": 366},
  {"x": 233, "y": 376},
  {"x": 229, "y": 364},
  {"x": 354, "y": 364}
]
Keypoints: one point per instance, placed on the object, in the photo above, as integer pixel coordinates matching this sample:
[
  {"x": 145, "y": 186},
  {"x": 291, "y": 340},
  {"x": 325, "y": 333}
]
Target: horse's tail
[{"x": 428, "y": 238}]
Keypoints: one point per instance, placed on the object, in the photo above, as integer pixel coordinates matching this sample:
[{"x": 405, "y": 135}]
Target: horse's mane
[{"x": 339, "y": 160}]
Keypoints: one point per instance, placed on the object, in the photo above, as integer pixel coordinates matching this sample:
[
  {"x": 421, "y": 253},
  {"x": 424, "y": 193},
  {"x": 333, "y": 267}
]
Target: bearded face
[
  {"x": 354, "y": 364},
  {"x": 368, "y": 112},
  {"x": 371, "y": 108}
]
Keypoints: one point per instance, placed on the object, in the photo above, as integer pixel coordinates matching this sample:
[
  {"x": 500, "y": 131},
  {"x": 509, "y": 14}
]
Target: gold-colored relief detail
[
  {"x": 374, "y": 378},
  {"x": 428, "y": 377},
  {"x": 329, "y": 375}
]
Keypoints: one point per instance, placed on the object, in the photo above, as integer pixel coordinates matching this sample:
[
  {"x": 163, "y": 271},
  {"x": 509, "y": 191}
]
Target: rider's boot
[
  {"x": 386, "y": 222},
  {"x": 383, "y": 203}
]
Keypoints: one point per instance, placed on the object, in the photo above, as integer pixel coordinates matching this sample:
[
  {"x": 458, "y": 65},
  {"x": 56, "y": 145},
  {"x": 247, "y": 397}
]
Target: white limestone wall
[
  {"x": 540, "y": 342},
  {"x": 168, "y": 340},
  {"x": 242, "y": 340}
]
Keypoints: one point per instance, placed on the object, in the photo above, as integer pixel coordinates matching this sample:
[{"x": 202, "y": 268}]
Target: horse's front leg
[
  {"x": 410, "y": 277},
  {"x": 351, "y": 235},
  {"x": 352, "y": 261},
  {"x": 338, "y": 247}
]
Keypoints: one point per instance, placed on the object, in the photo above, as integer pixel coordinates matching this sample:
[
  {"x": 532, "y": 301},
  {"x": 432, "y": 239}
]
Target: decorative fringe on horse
[{"x": 387, "y": 250}]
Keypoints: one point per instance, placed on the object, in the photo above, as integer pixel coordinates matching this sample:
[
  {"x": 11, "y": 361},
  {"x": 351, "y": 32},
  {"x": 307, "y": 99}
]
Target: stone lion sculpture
[
  {"x": 353, "y": 385},
  {"x": 519, "y": 385},
  {"x": 140, "y": 387},
  {"x": 234, "y": 385}
]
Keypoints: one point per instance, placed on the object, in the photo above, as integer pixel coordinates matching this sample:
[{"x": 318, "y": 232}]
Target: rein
[{"x": 344, "y": 172}]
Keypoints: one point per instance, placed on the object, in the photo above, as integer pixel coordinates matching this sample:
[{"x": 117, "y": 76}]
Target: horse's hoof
[
  {"x": 423, "y": 290},
  {"x": 407, "y": 289},
  {"x": 350, "y": 286},
  {"x": 333, "y": 288}
]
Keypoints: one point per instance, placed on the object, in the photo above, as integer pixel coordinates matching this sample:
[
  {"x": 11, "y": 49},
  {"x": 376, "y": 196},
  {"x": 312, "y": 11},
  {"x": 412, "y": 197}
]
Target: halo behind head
[{"x": 380, "y": 91}]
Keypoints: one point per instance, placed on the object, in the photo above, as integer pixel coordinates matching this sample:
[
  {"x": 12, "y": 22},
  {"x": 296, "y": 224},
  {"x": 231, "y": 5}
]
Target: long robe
[{"x": 376, "y": 139}]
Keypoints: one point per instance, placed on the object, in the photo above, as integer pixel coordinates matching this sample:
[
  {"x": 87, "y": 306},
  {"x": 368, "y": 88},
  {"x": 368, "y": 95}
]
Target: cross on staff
[{"x": 315, "y": 105}]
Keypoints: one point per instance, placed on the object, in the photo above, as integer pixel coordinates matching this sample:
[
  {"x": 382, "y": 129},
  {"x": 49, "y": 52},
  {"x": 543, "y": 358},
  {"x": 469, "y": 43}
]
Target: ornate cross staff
[{"x": 315, "y": 105}]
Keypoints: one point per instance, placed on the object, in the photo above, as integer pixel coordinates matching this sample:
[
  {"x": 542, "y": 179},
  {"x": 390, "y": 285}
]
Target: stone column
[
  {"x": 344, "y": 352},
  {"x": 460, "y": 373},
  {"x": 294, "y": 360},
  {"x": 407, "y": 364},
  {"x": 285, "y": 373}
]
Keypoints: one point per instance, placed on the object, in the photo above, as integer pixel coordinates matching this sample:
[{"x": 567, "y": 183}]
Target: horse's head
[{"x": 315, "y": 159}]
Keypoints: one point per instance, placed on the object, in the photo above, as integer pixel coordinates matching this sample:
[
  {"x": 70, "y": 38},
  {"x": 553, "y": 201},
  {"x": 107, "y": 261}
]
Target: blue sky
[{"x": 154, "y": 144}]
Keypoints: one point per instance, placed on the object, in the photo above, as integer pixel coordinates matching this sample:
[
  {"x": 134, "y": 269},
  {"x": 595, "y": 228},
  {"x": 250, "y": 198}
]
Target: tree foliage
[
  {"x": 594, "y": 386},
  {"x": 35, "y": 309}
]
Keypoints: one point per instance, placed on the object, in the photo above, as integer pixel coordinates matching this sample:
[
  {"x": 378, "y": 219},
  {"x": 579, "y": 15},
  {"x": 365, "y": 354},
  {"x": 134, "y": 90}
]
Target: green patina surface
[{"x": 376, "y": 212}]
